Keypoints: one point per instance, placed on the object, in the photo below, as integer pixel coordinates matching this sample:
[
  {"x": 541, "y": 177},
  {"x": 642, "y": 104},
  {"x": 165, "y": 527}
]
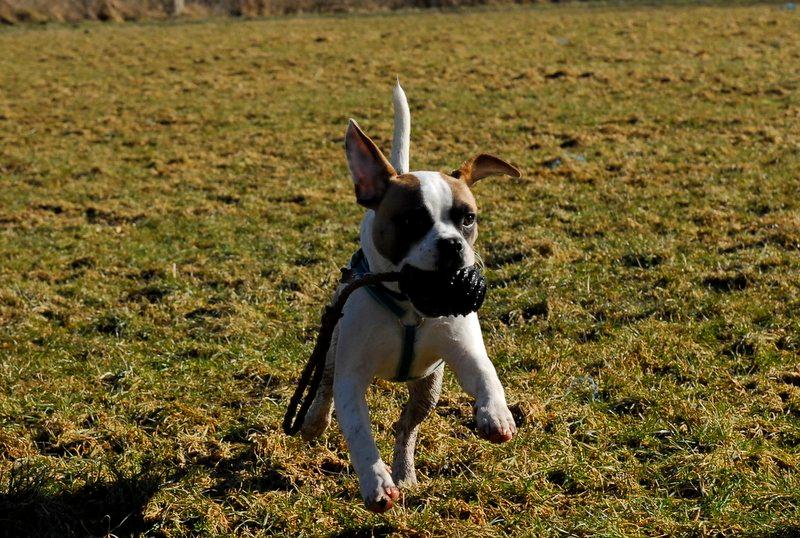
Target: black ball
[{"x": 437, "y": 293}]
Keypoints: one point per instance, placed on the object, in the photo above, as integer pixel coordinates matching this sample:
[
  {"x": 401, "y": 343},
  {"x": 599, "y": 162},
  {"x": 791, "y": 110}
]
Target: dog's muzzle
[{"x": 438, "y": 293}]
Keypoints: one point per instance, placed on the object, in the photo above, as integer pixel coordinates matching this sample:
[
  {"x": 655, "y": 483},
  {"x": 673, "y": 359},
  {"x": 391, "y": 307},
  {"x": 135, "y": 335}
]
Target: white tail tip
[{"x": 401, "y": 140}]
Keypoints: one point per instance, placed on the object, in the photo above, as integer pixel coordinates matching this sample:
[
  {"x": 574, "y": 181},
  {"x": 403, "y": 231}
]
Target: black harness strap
[{"x": 388, "y": 299}]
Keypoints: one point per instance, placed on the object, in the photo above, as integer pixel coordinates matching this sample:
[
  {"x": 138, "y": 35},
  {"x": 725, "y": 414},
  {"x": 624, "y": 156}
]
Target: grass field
[{"x": 175, "y": 205}]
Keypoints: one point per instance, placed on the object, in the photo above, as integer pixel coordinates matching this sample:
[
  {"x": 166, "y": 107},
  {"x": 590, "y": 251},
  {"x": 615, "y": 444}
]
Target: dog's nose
[{"x": 450, "y": 253}]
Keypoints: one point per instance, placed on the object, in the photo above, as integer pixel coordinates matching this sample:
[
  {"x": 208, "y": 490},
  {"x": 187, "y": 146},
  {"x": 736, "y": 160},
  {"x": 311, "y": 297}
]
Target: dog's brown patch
[{"x": 401, "y": 219}]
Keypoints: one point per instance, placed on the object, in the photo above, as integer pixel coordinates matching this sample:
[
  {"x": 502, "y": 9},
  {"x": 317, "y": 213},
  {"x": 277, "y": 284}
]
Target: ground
[{"x": 175, "y": 206}]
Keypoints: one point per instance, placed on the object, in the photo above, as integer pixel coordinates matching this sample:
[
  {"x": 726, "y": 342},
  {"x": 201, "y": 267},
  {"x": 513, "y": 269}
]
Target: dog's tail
[{"x": 401, "y": 140}]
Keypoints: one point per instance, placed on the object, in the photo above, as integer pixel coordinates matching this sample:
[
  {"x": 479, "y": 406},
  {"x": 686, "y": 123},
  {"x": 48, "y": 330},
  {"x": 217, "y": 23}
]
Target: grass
[{"x": 175, "y": 205}]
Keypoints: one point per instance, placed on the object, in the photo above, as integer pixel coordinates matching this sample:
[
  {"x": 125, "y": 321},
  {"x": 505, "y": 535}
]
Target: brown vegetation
[{"x": 38, "y": 11}]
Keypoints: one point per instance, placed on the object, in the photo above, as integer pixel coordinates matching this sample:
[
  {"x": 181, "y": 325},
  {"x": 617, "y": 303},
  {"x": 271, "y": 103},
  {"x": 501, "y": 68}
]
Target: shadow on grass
[
  {"x": 36, "y": 502},
  {"x": 242, "y": 473}
]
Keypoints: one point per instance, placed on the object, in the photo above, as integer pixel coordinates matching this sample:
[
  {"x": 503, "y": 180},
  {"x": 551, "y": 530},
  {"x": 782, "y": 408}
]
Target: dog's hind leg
[
  {"x": 422, "y": 397},
  {"x": 319, "y": 414}
]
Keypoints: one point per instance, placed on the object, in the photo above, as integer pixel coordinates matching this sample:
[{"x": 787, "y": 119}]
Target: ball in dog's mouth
[{"x": 444, "y": 293}]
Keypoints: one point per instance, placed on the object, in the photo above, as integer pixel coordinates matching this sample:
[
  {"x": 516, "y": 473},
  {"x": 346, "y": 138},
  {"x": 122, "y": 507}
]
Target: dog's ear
[
  {"x": 482, "y": 166},
  {"x": 370, "y": 169}
]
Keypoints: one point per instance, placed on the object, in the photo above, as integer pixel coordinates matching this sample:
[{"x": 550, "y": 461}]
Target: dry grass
[
  {"x": 175, "y": 205},
  {"x": 40, "y": 11}
]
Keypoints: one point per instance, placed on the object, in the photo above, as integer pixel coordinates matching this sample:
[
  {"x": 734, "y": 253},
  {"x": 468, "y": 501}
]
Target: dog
[{"x": 426, "y": 220}]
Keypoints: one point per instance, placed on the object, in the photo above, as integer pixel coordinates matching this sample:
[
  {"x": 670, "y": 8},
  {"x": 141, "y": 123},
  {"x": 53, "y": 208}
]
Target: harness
[{"x": 389, "y": 300}]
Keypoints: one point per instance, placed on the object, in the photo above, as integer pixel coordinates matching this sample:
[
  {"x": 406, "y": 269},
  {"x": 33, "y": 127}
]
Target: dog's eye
[{"x": 469, "y": 220}]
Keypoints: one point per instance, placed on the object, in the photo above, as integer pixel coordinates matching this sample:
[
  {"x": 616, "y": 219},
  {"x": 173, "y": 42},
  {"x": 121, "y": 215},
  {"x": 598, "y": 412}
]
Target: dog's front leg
[
  {"x": 477, "y": 376},
  {"x": 374, "y": 479}
]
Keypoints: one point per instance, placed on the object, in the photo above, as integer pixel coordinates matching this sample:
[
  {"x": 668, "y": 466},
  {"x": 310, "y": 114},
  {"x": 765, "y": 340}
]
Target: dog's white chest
[{"x": 377, "y": 338}]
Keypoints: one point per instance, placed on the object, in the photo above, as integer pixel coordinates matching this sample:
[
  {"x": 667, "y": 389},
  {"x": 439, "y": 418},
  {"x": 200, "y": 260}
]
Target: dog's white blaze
[
  {"x": 438, "y": 199},
  {"x": 436, "y": 194}
]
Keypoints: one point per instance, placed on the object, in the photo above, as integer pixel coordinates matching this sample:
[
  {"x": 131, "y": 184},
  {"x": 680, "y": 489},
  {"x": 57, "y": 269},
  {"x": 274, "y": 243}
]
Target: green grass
[{"x": 174, "y": 207}]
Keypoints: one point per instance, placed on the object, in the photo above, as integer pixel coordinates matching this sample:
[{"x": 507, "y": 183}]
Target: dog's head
[{"x": 424, "y": 219}]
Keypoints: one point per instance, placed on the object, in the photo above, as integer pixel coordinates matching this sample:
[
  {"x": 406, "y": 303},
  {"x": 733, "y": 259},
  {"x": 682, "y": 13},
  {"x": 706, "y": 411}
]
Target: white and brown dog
[{"x": 427, "y": 220}]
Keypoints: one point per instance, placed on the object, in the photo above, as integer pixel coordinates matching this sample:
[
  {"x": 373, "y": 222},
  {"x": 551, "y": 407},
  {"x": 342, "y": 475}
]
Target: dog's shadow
[
  {"x": 38, "y": 501},
  {"x": 35, "y": 501},
  {"x": 242, "y": 472},
  {"x": 367, "y": 531}
]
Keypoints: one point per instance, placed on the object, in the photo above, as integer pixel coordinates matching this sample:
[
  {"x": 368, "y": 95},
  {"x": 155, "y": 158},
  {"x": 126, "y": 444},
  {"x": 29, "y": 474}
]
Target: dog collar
[{"x": 389, "y": 300}]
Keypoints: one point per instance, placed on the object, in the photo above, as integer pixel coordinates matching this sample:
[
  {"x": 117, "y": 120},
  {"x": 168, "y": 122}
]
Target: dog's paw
[
  {"x": 379, "y": 491},
  {"x": 495, "y": 423}
]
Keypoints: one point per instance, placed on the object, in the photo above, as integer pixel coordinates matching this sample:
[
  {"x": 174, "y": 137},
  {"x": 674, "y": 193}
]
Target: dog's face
[{"x": 424, "y": 219}]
